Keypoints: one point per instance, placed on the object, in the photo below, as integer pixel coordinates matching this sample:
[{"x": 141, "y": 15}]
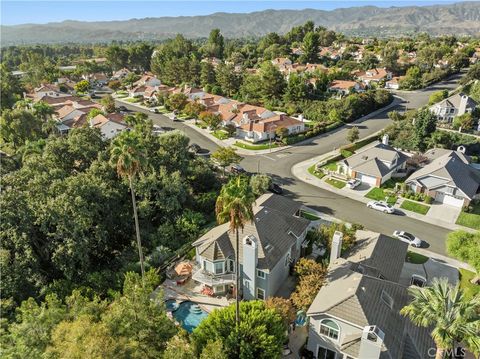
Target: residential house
[
  {"x": 148, "y": 79},
  {"x": 281, "y": 61},
  {"x": 97, "y": 79},
  {"x": 120, "y": 74},
  {"x": 109, "y": 126},
  {"x": 374, "y": 165},
  {"x": 269, "y": 247},
  {"x": 297, "y": 51},
  {"x": 448, "y": 178},
  {"x": 373, "y": 75},
  {"x": 343, "y": 87},
  {"x": 394, "y": 83},
  {"x": 261, "y": 130},
  {"x": 47, "y": 90},
  {"x": 330, "y": 53},
  {"x": 356, "y": 313},
  {"x": 455, "y": 105}
]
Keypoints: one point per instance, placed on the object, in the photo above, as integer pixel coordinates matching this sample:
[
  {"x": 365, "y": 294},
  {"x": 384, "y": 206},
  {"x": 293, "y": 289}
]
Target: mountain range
[{"x": 458, "y": 19}]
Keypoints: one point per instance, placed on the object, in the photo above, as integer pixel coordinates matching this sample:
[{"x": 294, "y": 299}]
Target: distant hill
[{"x": 459, "y": 19}]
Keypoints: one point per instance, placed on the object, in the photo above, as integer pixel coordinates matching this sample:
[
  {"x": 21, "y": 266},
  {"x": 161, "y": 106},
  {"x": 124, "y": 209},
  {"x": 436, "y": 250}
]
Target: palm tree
[
  {"x": 234, "y": 205},
  {"x": 454, "y": 318},
  {"x": 128, "y": 157}
]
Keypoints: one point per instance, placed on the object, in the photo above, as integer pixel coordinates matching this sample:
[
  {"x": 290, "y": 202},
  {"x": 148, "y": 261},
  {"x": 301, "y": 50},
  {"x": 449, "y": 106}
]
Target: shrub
[{"x": 428, "y": 199}]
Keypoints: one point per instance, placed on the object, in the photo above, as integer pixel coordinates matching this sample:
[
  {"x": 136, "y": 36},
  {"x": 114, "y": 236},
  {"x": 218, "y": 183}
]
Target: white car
[
  {"x": 353, "y": 183},
  {"x": 408, "y": 238},
  {"x": 381, "y": 206}
]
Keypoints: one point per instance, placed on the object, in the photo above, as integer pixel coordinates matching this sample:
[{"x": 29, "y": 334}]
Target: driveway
[{"x": 444, "y": 212}]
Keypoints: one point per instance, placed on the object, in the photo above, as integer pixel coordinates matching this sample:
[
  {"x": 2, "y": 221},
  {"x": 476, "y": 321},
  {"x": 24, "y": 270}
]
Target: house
[
  {"x": 261, "y": 130},
  {"x": 120, "y": 74},
  {"x": 343, "y": 87},
  {"x": 356, "y": 312},
  {"x": 269, "y": 247},
  {"x": 281, "y": 61},
  {"x": 373, "y": 75},
  {"x": 455, "y": 105},
  {"x": 109, "y": 126},
  {"x": 328, "y": 52},
  {"x": 448, "y": 178},
  {"x": 97, "y": 79},
  {"x": 394, "y": 83},
  {"x": 148, "y": 79},
  {"x": 374, "y": 165},
  {"x": 297, "y": 51},
  {"x": 48, "y": 90}
]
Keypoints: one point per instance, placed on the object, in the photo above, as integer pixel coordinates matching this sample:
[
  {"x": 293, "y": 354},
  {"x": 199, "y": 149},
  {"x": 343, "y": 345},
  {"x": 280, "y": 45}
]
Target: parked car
[
  {"x": 154, "y": 110},
  {"x": 194, "y": 148},
  {"x": 408, "y": 238},
  {"x": 353, "y": 183},
  {"x": 275, "y": 188},
  {"x": 122, "y": 109},
  {"x": 238, "y": 170},
  {"x": 381, "y": 206},
  {"x": 158, "y": 130}
]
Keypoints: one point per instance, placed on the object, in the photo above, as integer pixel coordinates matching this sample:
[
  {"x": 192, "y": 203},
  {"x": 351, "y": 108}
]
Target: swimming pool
[
  {"x": 171, "y": 305},
  {"x": 189, "y": 315}
]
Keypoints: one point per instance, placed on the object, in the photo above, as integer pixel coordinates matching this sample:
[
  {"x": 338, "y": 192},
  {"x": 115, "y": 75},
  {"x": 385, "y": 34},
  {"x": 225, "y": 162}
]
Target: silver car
[
  {"x": 353, "y": 183},
  {"x": 408, "y": 238},
  {"x": 381, "y": 206}
]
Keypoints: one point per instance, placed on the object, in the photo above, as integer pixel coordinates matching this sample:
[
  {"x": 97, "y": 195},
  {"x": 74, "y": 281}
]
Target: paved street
[{"x": 279, "y": 165}]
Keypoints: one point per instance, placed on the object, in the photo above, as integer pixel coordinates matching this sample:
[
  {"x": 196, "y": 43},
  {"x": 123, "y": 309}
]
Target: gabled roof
[
  {"x": 341, "y": 84},
  {"x": 356, "y": 297},
  {"x": 454, "y": 168},
  {"x": 274, "y": 229},
  {"x": 370, "y": 161},
  {"x": 454, "y": 101}
]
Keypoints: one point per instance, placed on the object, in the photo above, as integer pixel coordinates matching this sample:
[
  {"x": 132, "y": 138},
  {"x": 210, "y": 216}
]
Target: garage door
[
  {"x": 446, "y": 199},
  {"x": 367, "y": 179}
]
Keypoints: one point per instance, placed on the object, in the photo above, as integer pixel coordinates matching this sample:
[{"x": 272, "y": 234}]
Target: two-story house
[
  {"x": 374, "y": 165},
  {"x": 355, "y": 315},
  {"x": 455, "y": 105},
  {"x": 269, "y": 247}
]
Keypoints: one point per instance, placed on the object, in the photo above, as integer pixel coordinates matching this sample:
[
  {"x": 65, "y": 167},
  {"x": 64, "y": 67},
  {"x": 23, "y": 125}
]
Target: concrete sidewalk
[{"x": 300, "y": 171}]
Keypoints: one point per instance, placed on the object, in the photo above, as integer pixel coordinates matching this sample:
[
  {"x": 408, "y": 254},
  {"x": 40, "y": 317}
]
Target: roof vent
[
  {"x": 387, "y": 299},
  {"x": 365, "y": 158},
  {"x": 268, "y": 247}
]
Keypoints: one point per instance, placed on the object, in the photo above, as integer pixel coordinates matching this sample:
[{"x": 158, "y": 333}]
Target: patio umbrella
[{"x": 184, "y": 269}]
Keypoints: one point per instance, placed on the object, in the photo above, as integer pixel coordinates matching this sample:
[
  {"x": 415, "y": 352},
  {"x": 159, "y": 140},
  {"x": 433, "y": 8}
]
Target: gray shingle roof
[
  {"x": 453, "y": 166},
  {"x": 454, "y": 101},
  {"x": 271, "y": 226},
  {"x": 356, "y": 298},
  {"x": 371, "y": 161}
]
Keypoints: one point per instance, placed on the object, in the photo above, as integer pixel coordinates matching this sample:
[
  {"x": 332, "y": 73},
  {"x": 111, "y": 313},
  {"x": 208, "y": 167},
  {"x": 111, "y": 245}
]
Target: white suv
[{"x": 381, "y": 206}]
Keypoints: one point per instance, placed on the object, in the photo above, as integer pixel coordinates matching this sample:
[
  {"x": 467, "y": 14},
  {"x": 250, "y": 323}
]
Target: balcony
[{"x": 211, "y": 279}]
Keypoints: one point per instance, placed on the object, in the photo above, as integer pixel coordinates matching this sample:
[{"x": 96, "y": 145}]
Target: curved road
[{"x": 279, "y": 164}]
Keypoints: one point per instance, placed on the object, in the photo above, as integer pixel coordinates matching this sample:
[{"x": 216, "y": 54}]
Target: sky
[{"x": 41, "y": 12}]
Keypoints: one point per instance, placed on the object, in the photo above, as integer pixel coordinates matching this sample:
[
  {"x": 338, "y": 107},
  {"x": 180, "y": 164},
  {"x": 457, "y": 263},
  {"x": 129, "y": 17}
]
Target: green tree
[
  {"x": 176, "y": 101},
  {"x": 425, "y": 124},
  {"x": 412, "y": 79},
  {"x": 108, "y": 104},
  {"x": 18, "y": 126},
  {"x": 311, "y": 277},
  {"x": 281, "y": 132},
  {"x": 10, "y": 88},
  {"x": 226, "y": 156},
  {"x": 260, "y": 184},
  {"x": 261, "y": 334},
  {"x": 128, "y": 156},
  {"x": 283, "y": 307},
  {"x": 213, "y": 350},
  {"x": 215, "y": 44},
  {"x": 272, "y": 81},
  {"x": 235, "y": 205},
  {"x": 193, "y": 109},
  {"x": 464, "y": 246},
  {"x": 444, "y": 307},
  {"x": 139, "y": 56},
  {"x": 117, "y": 57},
  {"x": 207, "y": 74},
  {"x": 82, "y": 86},
  {"x": 463, "y": 122},
  {"x": 353, "y": 134},
  {"x": 94, "y": 112},
  {"x": 310, "y": 45},
  {"x": 227, "y": 79},
  {"x": 475, "y": 91},
  {"x": 179, "y": 347},
  {"x": 296, "y": 89},
  {"x": 437, "y": 96}
]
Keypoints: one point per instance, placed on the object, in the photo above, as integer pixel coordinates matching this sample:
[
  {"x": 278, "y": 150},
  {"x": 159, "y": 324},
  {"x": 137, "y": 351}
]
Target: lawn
[
  {"x": 390, "y": 183},
  {"x": 332, "y": 166},
  {"x": 378, "y": 194},
  {"x": 133, "y": 100},
  {"x": 469, "y": 288},
  {"x": 309, "y": 216},
  {"x": 312, "y": 170},
  {"x": 336, "y": 183},
  {"x": 220, "y": 134},
  {"x": 471, "y": 219},
  {"x": 415, "y": 207},
  {"x": 252, "y": 147},
  {"x": 416, "y": 258}
]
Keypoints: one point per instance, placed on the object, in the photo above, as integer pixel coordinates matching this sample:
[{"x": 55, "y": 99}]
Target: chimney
[
  {"x": 371, "y": 342},
  {"x": 300, "y": 117},
  {"x": 249, "y": 267},
  {"x": 462, "y": 108},
  {"x": 461, "y": 149},
  {"x": 336, "y": 246},
  {"x": 385, "y": 139}
]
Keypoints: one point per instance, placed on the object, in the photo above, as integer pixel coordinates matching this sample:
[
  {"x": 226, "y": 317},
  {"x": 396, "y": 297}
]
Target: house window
[
  {"x": 324, "y": 353},
  {"x": 287, "y": 260},
  {"x": 387, "y": 299},
  {"x": 260, "y": 294},
  {"x": 329, "y": 328},
  {"x": 219, "y": 267},
  {"x": 261, "y": 274}
]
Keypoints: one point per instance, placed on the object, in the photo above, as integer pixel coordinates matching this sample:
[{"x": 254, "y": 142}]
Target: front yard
[
  {"x": 336, "y": 183},
  {"x": 416, "y": 258},
  {"x": 470, "y": 219},
  {"x": 415, "y": 207},
  {"x": 470, "y": 289},
  {"x": 379, "y": 194},
  {"x": 313, "y": 171},
  {"x": 220, "y": 134},
  {"x": 263, "y": 146}
]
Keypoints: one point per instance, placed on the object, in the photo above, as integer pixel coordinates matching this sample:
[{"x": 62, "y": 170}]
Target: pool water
[
  {"x": 171, "y": 305},
  {"x": 189, "y": 315}
]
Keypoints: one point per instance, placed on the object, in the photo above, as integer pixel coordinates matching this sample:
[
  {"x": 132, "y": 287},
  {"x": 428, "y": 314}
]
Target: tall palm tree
[
  {"x": 454, "y": 318},
  {"x": 235, "y": 205},
  {"x": 127, "y": 156}
]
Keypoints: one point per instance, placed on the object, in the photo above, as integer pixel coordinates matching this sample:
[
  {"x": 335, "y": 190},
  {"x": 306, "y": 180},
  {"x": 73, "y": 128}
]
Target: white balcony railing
[{"x": 212, "y": 279}]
